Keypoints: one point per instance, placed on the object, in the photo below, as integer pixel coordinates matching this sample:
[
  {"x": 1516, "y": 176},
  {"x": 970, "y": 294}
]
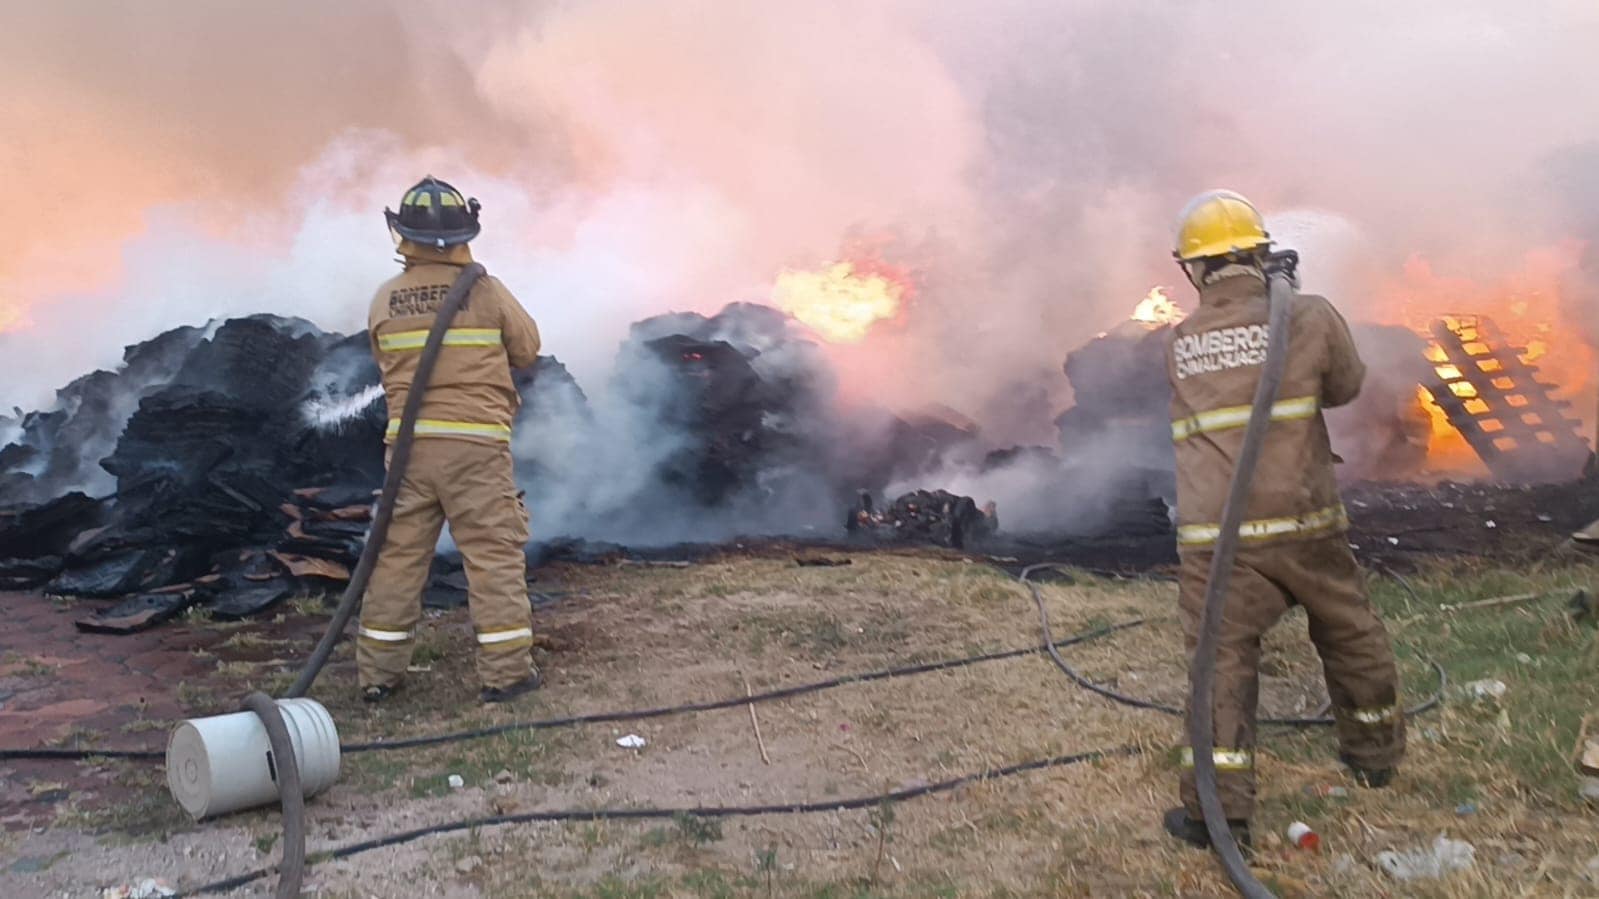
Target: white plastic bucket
[{"x": 222, "y": 764}]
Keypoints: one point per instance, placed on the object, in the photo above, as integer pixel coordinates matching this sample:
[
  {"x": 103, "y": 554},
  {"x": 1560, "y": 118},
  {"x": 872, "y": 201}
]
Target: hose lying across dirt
[
  {"x": 78, "y": 755},
  {"x": 730, "y": 811},
  {"x": 1081, "y": 680}
]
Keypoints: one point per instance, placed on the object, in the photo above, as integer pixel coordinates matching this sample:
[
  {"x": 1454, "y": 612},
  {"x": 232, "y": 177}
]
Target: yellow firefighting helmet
[{"x": 1219, "y": 223}]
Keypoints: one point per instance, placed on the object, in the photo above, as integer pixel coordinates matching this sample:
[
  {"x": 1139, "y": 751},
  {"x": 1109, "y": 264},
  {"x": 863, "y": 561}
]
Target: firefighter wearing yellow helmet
[
  {"x": 1293, "y": 549},
  {"x": 460, "y": 470}
]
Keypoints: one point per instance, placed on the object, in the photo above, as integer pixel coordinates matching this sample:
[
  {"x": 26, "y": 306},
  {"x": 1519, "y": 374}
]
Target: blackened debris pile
[
  {"x": 737, "y": 390},
  {"x": 923, "y": 516},
  {"x": 236, "y": 468},
  {"x": 55, "y": 451}
]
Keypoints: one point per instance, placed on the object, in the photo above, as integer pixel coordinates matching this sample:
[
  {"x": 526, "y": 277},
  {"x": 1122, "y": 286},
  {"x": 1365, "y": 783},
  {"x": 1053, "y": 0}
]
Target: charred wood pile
[{"x": 937, "y": 517}]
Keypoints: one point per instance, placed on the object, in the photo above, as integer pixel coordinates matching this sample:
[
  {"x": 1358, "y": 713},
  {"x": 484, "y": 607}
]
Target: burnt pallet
[{"x": 1512, "y": 420}]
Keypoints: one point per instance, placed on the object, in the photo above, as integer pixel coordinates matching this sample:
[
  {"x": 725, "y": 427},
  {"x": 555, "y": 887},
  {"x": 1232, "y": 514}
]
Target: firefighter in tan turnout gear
[
  {"x": 1293, "y": 549},
  {"x": 460, "y": 470}
]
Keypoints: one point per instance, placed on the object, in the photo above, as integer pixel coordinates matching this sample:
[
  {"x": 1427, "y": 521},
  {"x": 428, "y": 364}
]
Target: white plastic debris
[
  {"x": 148, "y": 888},
  {"x": 1487, "y": 688},
  {"x": 631, "y": 741},
  {"x": 456, "y": 781},
  {"x": 1394, "y": 540},
  {"x": 1490, "y": 523},
  {"x": 1446, "y": 856},
  {"x": 1523, "y": 658}
]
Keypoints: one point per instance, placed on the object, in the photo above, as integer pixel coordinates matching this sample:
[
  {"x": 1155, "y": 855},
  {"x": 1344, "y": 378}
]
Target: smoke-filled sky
[{"x": 175, "y": 160}]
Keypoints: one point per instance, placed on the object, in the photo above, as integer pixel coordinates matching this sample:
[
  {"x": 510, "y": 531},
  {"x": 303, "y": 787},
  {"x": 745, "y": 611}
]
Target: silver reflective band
[
  {"x": 1225, "y": 759},
  {"x": 1232, "y": 417},
  {"x": 373, "y": 633},
  {"x": 1372, "y": 716},
  {"x": 505, "y": 636},
  {"x": 1327, "y": 519}
]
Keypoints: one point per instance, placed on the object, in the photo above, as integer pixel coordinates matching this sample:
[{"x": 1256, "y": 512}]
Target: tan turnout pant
[
  {"x": 1356, "y": 657},
  {"x": 470, "y": 485}
]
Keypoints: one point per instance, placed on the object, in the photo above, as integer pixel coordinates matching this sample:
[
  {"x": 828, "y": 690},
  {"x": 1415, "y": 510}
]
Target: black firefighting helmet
[{"x": 434, "y": 214}]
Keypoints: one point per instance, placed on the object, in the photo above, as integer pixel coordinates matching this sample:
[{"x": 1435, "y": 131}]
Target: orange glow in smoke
[
  {"x": 1157, "y": 309},
  {"x": 842, "y": 301},
  {"x": 12, "y": 316}
]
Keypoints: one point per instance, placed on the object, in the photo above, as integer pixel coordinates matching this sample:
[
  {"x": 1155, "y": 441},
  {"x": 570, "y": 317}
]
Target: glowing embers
[{"x": 1487, "y": 390}]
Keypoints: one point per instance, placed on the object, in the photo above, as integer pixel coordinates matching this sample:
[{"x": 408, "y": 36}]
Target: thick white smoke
[{"x": 636, "y": 157}]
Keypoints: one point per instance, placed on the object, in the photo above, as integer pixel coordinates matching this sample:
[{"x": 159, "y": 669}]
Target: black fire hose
[
  {"x": 286, "y": 773},
  {"x": 291, "y": 870},
  {"x": 1202, "y": 671}
]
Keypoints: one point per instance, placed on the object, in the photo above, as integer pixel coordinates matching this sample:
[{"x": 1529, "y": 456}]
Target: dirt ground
[{"x": 633, "y": 636}]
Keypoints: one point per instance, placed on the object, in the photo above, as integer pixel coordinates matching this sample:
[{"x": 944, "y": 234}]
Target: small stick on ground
[
  {"x": 755, "y": 722},
  {"x": 1490, "y": 603}
]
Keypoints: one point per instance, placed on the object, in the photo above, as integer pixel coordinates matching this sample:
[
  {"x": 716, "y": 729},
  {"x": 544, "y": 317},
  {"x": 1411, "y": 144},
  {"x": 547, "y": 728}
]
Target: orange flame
[
  {"x": 1526, "y": 305},
  {"x": 1157, "y": 309},
  {"x": 840, "y": 302}
]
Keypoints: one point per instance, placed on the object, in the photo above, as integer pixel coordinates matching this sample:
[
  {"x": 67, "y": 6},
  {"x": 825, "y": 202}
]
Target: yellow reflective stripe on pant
[
  {"x": 414, "y": 340},
  {"x": 1320, "y": 521},
  {"x": 510, "y": 638},
  {"x": 1225, "y": 759},
  {"x": 1373, "y": 716},
  {"x": 432, "y": 427},
  {"x": 383, "y": 636},
  {"x": 1232, "y": 417}
]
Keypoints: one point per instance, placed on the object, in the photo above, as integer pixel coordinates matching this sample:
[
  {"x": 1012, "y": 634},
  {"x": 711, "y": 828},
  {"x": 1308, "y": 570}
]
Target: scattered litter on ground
[
  {"x": 1487, "y": 688},
  {"x": 1466, "y": 808},
  {"x": 148, "y": 888},
  {"x": 1302, "y": 837},
  {"x": 1445, "y": 856},
  {"x": 1326, "y": 791},
  {"x": 455, "y": 781},
  {"x": 631, "y": 741}
]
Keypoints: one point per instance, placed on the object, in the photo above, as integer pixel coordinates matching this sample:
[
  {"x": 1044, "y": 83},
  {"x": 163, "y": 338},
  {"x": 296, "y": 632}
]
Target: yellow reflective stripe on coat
[
  {"x": 1225, "y": 759},
  {"x": 432, "y": 427},
  {"x": 1231, "y": 417},
  {"x": 373, "y": 633},
  {"x": 1380, "y": 715},
  {"x": 415, "y": 340},
  {"x": 1327, "y": 519}
]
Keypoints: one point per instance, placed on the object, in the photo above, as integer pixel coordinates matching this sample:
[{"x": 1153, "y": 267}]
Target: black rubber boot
[
  {"x": 376, "y": 693},
  {"x": 1192, "y": 830},
  {"x": 1375, "y": 778},
  {"x": 506, "y": 694}
]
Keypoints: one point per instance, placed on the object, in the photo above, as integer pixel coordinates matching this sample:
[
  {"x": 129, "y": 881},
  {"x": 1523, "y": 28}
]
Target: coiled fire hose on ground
[
  {"x": 291, "y": 870},
  {"x": 1202, "y": 671}
]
